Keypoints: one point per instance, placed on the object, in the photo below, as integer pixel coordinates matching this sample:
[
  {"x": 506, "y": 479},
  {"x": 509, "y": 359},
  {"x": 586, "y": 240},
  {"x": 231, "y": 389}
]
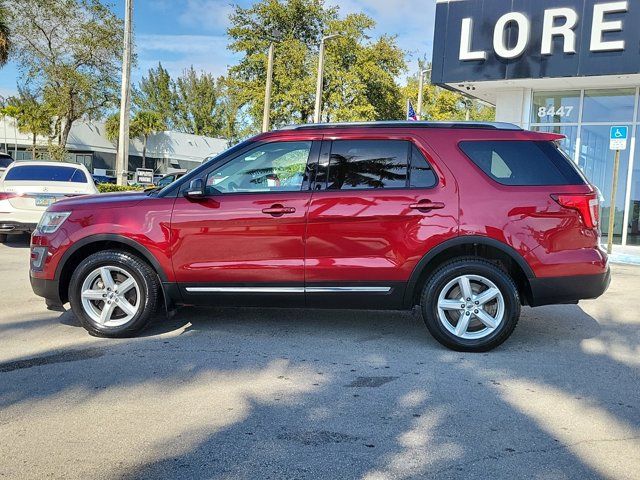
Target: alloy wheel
[
  {"x": 471, "y": 307},
  {"x": 110, "y": 296}
]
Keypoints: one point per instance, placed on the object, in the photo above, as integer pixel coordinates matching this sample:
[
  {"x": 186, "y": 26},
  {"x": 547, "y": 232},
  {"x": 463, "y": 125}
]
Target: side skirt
[{"x": 379, "y": 296}]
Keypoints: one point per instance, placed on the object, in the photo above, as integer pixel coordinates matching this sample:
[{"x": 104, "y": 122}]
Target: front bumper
[
  {"x": 563, "y": 290},
  {"x": 49, "y": 290},
  {"x": 8, "y": 227}
]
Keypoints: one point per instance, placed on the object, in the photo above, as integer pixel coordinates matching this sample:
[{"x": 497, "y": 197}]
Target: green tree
[
  {"x": 198, "y": 104},
  {"x": 112, "y": 128},
  {"x": 360, "y": 73},
  {"x": 33, "y": 118},
  {"x": 144, "y": 124},
  {"x": 157, "y": 93},
  {"x": 5, "y": 41},
  {"x": 69, "y": 52}
]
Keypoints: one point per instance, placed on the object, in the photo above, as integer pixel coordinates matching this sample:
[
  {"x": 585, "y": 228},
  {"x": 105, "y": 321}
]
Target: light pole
[
  {"x": 420, "y": 91},
  {"x": 267, "y": 93},
  {"x": 317, "y": 114},
  {"x": 122, "y": 159},
  {"x": 4, "y": 123}
]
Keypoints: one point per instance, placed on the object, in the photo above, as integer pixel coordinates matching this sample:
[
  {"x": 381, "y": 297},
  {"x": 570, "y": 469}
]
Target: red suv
[{"x": 469, "y": 221}]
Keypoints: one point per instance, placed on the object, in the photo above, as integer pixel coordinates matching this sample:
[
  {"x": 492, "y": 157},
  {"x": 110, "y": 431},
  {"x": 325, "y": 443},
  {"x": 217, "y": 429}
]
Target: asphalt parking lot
[{"x": 258, "y": 394}]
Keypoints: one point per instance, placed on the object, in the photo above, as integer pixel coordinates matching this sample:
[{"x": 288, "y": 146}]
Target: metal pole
[
  {"x": 267, "y": 93},
  {"x": 420, "y": 93},
  {"x": 122, "y": 159},
  {"x": 612, "y": 207},
  {"x": 317, "y": 113}
]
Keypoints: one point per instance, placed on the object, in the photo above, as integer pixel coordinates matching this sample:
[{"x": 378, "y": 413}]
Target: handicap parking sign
[{"x": 619, "y": 138}]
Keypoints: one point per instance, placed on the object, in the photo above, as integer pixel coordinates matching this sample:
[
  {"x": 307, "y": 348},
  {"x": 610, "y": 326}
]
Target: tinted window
[
  {"x": 523, "y": 162},
  {"x": 272, "y": 167},
  {"x": 357, "y": 164},
  {"x": 5, "y": 161},
  {"x": 421, "y": 175},
  {"x": 46, "y": 173}
]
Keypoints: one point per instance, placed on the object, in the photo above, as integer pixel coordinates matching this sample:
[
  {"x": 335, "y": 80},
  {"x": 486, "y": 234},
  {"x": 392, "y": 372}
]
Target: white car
[{"x": 28, "y": 188}]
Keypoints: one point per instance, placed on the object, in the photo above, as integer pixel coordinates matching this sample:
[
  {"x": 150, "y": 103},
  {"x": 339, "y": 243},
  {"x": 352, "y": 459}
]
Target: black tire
[
  {"x": 470, "y": 266},
  {"x": 139, "y": 270},
  {"x": 3, "y": 237}
]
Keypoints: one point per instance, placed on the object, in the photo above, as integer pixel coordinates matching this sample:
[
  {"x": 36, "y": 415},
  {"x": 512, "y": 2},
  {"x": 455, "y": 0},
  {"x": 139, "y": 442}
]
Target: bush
[{"x": 111, "y": 188}]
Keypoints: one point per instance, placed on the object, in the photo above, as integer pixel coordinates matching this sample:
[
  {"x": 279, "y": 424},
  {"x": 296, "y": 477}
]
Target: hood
[{"x": 105, "y": 200}]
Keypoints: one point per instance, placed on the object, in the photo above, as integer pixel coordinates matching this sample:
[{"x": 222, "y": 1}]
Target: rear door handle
[
  {"x": 427, "y": 205},
  {"x": 278, "y": 210}
]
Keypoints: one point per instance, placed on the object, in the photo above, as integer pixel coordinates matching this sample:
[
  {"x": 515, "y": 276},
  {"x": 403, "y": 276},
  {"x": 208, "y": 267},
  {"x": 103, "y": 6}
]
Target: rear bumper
[
  {"x": 16, "y": 227},
  {"x": 49, "y": 290},
  {"x": 562, "y": 290}
]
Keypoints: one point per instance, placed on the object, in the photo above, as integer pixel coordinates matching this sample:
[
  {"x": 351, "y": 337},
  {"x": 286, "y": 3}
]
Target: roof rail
[{"x": 407, "y": 124}]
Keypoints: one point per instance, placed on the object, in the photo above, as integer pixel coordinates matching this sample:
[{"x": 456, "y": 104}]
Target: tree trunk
[
  {"x": 144, "y": 151},
  {"x": 64, "y": 135},
  {"x": 33, "y": 148}
]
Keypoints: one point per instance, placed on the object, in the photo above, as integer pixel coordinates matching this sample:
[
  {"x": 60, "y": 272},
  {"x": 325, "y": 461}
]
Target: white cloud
[
  {"x": 178, "y": 52},
  {"x": 208, "y": 15}
]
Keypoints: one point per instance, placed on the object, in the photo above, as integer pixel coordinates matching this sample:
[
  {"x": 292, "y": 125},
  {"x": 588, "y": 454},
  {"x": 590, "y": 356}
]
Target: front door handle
[
  {"x": 426, "y": 205},
  {"x": 278, "y": 210}
]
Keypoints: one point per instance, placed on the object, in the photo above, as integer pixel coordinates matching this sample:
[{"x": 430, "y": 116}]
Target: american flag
[{"x": 411, "y": 113}]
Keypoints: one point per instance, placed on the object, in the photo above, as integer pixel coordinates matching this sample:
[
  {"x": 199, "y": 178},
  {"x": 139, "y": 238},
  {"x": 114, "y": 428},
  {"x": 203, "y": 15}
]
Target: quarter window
[
  {"x": 272, "y": 167},
  {"x": 523, "y": 163}
]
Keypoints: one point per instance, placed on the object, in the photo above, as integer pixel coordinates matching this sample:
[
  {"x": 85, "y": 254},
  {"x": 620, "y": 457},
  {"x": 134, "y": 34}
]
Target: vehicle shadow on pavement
[{"x": 244, "y": 393}]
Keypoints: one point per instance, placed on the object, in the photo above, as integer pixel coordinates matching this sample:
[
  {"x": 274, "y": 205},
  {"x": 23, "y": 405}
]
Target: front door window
[{"x": 273, "y": 167}]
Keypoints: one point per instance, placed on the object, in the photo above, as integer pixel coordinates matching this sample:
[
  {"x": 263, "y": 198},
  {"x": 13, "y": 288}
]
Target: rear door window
[
  {"x": 523, "y": 163},
  {"x": 368, "y": 164},
  {"x": 45, "y": 173}
]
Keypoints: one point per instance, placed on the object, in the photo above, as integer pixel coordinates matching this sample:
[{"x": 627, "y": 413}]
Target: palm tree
[
  {"x": 144, "y": 124},
  {"x": 5, "y": 43},
  {"x": 32, "y": 118},
  {"x": 112, "y": 128}
]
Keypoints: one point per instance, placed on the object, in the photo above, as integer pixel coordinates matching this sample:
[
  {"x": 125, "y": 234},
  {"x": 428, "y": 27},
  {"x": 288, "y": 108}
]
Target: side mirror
[{"x": 195, "y": 190}]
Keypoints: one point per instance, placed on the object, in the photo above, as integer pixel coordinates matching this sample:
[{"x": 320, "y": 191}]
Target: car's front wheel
[
  {"x": 470, "y": 305},
  {"x": 114, "y": 294},
  {"x": 3, "y": 237}
]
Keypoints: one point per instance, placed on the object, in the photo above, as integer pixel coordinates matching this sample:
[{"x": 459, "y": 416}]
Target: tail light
[
  {"x": 588, "y": 205},
  {"x": 7, "y": 195}
]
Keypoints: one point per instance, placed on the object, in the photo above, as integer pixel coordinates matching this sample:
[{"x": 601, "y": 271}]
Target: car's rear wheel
[
  {"x": 470, "y": 305},
  {"x": 3, "y": 237},
  {"x": 114, "y": 294}
]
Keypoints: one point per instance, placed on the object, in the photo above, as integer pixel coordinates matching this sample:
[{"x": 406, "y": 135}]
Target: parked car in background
[
  {"x": 170, "y": 178},
  {"x": 29, "y": 188},
  {"x": 470, "y": 221},
  {"x": 98, "y": 179},
  {"x": 5, "y": 161}
]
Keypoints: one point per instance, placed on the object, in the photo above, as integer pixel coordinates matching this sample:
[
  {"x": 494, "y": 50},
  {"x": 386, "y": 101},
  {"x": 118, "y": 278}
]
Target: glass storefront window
[
  {"x": 568, "y": 145},
  {"x": 615, "y": 105},
  {"x": 596, "y": 161},
  {"x": 556, "y": 107},
  {"x": 633, "y": 232}
]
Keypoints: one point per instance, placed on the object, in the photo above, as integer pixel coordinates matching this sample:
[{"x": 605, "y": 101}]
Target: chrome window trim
[{"x": 288, "y": 289}]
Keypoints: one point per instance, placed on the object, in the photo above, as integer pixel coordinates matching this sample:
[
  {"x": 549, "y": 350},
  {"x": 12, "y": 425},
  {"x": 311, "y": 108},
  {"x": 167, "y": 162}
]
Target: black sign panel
[{"x": 479, "y": 40}]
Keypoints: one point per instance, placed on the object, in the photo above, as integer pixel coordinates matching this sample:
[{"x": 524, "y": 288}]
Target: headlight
[{"x": 52, "y": 221}]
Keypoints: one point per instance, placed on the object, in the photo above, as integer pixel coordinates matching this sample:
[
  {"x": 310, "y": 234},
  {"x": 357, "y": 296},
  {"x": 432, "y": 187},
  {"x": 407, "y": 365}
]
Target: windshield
[{"x": 45, "y": 173}]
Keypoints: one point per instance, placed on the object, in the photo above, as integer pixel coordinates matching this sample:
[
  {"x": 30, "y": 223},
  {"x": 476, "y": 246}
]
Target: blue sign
[
  {"x": 619, "y": 133},
  {"x": 618, "y": 138}
]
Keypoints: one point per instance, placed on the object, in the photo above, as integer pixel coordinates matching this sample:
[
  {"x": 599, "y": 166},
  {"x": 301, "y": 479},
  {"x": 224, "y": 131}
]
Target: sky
[{"x": 181, "y": 33}]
